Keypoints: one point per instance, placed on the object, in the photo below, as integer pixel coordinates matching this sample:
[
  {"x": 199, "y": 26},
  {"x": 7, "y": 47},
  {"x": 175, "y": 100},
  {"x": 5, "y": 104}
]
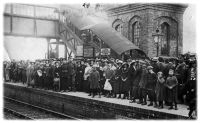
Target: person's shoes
[
  {"x": 170, "y": 108},
  {"x": 160, "y": 107},
  {"x": 151, "y": 104},
  {"x": 176, "y": 108},
  {"x": 132, "y": 101},
  {"x": 90, "y": 95},
  {"x": 144, "y": 103},
  {"x": 156, "y": 106},
  {"x": 140, "y": 102}
]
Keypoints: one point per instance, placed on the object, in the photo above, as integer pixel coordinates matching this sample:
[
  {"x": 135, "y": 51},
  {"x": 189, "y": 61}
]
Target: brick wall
[{"x": 151, "y": 16}]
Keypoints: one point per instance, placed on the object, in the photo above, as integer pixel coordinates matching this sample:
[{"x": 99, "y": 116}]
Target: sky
[{"x": 189, "y": 29}]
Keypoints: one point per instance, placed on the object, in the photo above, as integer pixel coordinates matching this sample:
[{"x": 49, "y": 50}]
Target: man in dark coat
[
  {"x": 142, "y": 86},
  {"x": 150, "y": 85},
  {"x": 12, "y": 69},
  {"x": 71, "y": 69},
  {"x": 181, "y": 77},
  {"x": 24, "y": 66},
  {"x": 47, "y": 76},
  {"x": 64, "y": 77},
  {"x": 79, "y": 75},
  {"x": 133, "y": 83},
  {"x": 155, "y": 66},
  {"x": 56, "y": 76}
]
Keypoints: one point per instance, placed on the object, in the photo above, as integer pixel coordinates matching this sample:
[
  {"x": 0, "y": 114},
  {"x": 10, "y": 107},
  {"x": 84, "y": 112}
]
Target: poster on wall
[
  {"x": 79, "y": 51},
  {"x": 105, "y": 51},
  {"x": 88, "y": 52}
]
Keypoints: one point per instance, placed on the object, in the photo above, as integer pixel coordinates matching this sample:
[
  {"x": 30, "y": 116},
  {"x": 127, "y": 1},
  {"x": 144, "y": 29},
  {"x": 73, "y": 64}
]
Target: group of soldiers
[{"x": 158, "y": 81}]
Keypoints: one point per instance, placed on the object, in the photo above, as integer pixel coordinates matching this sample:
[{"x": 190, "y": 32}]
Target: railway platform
[{"x": 80, "y": 105}]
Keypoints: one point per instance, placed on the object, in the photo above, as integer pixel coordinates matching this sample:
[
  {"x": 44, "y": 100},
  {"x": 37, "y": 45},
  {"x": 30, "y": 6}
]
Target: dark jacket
[
  {"x": 94, "y": 79},
  {"x": 159, "y": 90},
  {"x": 143, "y": 79},
  {"x": 151, "y": 81},
  {"x": 56, "y": 72},
  {"x": 71, "y": 68},
  {"x": 64, "y": 70},
  {"x": 171, "y": 92}
]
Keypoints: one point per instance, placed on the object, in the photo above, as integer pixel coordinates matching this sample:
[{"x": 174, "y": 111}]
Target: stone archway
[{"x": 118, "y": 25}]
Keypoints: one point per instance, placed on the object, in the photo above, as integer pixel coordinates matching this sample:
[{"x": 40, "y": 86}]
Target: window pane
[
  {"x": 136, "y": 33},
  {"x": 25, "y": 10},
  {"x": 44, "y": 12},
  {"x": 7, "y": 8}
]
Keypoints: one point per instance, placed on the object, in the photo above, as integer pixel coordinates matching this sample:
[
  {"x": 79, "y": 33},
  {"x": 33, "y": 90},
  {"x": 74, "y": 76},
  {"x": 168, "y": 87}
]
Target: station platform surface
[{"x": 182, "y": 109}]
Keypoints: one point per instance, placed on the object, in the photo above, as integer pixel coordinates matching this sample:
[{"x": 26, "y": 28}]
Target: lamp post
[{"x": 157, "y": 37}]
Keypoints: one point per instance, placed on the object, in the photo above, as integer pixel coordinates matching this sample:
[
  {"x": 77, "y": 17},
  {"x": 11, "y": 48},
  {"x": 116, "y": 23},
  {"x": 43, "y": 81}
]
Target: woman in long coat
[
  {"x": 94, "y": 79},
  {"x": 134, "y": 76},
  {"x": 125, "y": 85},
  {"x": 116, "y": 80}
]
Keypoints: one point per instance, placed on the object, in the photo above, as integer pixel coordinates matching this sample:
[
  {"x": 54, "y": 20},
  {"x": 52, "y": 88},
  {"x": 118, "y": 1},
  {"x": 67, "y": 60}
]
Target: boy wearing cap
[
  {"x": 150, "y": 85},
  {"x": 159, "y": 90}
]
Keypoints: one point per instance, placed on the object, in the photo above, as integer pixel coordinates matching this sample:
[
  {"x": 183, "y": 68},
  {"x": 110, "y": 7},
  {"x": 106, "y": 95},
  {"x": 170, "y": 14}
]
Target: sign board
[
  {"x": 79, "y": 50},
  {"x": 88, "y": 51},
  {"x": 105, "y": 51}
]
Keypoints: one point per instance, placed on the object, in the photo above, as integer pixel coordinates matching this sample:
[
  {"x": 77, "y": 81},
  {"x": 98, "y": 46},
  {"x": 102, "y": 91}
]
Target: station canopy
[{"x": 102, "y": 29}]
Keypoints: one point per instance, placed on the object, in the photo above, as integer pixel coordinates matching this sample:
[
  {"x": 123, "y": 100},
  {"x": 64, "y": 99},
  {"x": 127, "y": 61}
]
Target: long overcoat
[
  {"x": 94, "y": 79},
  {"x": 171, "y": 84},
  {"x": 159, "y": 90},
  {"x": 115, "y": 81},
  {"x": 125, "y": 84}
]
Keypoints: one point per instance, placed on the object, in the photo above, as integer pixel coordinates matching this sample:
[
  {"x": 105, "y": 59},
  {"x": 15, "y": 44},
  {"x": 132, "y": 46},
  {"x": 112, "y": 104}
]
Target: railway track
[{"x": 27, "y": 111}]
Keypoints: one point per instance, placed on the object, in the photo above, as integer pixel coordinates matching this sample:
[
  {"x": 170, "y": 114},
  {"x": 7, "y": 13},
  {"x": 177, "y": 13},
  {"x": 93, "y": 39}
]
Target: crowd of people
[{"x": 162, "y": 82}]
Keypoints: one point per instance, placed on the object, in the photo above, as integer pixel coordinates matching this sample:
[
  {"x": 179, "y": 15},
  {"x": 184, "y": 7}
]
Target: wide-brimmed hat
[
  {"x": 149, "y": 67},
  {"x": 119, "y": 62}
]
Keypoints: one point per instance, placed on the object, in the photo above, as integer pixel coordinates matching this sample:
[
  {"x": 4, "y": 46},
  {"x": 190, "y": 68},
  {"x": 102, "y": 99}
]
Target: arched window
[
  {"x": 118, "y": 28},
  {"x": 136, "y": 33},
  {"x": 165, "y": 39}
]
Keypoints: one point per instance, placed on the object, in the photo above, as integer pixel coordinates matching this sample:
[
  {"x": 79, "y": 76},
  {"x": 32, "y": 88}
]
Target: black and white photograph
[{"x": 99, "y": 60}]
